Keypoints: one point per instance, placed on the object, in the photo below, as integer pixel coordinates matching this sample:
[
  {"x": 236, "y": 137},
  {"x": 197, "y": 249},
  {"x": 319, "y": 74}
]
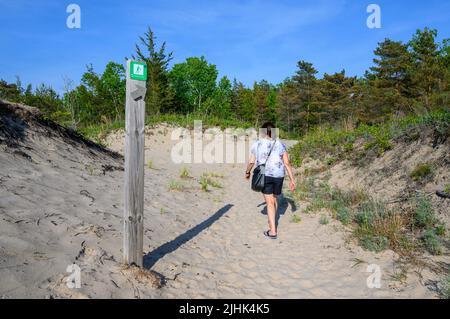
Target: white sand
[{"x": 205, "y": 244}]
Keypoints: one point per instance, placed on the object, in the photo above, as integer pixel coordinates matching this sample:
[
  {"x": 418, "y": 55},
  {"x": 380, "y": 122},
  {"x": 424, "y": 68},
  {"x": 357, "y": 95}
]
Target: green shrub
[
  {"x": 432, "y": 242},
  {"x": 374, "y": 243},
  {"x": 204, "y": 184},
  {"x": 348, "y": 147},
  {"x": 447, "y": 189},
  {"x": 324, "y": 220},
  {"x": 369, "y": 212},
  {"x": 344, "y": 215},
  {"x": 425, "y": 216},
  {"x": 421, "y": 172},
  {"x": 444, "y": 287},
  {"x": 440, "y": 230}
]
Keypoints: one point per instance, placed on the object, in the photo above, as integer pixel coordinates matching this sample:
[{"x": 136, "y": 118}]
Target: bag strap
[{"x": 271, "y": 149}]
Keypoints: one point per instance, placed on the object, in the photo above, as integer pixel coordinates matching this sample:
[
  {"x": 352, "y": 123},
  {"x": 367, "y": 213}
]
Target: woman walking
[{"x": 270, "y": 151}]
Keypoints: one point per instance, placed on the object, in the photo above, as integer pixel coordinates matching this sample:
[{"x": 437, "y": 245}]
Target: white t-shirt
[{"x": 274, "y": 165}]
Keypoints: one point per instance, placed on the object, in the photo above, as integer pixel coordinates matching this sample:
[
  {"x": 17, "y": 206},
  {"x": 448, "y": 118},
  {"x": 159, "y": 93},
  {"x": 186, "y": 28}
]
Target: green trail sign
[{"x": 138, "y": 71}]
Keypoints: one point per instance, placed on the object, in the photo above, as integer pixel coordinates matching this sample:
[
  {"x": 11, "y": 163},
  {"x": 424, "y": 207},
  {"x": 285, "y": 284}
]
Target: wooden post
[{"x": 134, "y": 169}]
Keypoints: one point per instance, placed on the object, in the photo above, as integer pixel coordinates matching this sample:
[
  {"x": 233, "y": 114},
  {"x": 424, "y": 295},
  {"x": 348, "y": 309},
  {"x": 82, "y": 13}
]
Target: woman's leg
[{"x": 271, "y": 213}]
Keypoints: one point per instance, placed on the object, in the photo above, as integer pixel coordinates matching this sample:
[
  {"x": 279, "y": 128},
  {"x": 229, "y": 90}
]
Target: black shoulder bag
[{"x": 259, "y": 174}]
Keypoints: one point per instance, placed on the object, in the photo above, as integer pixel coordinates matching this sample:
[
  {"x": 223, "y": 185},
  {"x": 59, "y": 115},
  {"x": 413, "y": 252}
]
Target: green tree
[
  {"x": 428, "y": 75},
  {"x": 219, "y": 103},
  {"x": 194, "y": 82},
  {"x": 160, "y": 96},
  {"x": 337, "y": 96},
  {"x": 310, "y": 112},
  {"x": 288, "y": 106},
  {"x": 10, "y": 92}
]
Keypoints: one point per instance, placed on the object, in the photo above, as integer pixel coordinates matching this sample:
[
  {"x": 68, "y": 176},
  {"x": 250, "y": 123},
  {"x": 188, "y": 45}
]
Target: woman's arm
[
  {"x": 287, "y": 165},
  {"x": 251, "y": 163}
]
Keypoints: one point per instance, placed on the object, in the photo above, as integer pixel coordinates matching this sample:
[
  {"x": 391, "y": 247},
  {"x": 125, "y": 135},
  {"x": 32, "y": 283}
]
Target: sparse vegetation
[
  {"x": 424, "y": 216},
  {"x": 176, "y": 186},
  {"x": 432, "y": 242},
  {"x": 344, "y": 215},
  {"x": 444, "y": 287},
  {"x": 207, "y": 179},
  {"x": 375, "y": 226},
  {"x": 421, "y": 172},
  {"x": 184, "y": 173},
  {"x": 296, "y": 219},
  {"x": 90, "y": 168},
  {"x": 324, "y": 220},
  {"x": 447, "y": 189},
  {"x": 204, "y": 184},
  {"x": 150, "y": 164}
]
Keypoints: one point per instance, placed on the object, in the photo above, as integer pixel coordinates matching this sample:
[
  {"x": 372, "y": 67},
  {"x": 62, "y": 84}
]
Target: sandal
[{"x": 267, "y": 234}]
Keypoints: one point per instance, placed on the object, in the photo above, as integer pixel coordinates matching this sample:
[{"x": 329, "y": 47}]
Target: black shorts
[{"x": 273, "y": 185}]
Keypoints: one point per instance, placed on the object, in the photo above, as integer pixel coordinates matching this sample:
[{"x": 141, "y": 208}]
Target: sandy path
[
  {"x": 62, "y": 207},
  {"x": 220, "y": 250}
]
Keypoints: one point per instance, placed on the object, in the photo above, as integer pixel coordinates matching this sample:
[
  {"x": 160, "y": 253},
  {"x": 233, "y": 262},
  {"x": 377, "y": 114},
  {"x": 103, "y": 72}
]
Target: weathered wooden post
[{"x": 133, "y": 224}]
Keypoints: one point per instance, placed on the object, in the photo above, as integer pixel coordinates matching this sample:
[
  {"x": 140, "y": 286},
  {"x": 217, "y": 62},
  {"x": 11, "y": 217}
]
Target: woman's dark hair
[{"x": 268, "y": 126}]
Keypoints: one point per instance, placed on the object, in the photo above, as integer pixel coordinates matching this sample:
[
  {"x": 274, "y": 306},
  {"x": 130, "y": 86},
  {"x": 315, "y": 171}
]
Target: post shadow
[{"x": 152, "y": 257}]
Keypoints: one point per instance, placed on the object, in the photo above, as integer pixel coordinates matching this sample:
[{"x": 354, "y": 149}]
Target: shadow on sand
[{"x": 152, "y": 257}]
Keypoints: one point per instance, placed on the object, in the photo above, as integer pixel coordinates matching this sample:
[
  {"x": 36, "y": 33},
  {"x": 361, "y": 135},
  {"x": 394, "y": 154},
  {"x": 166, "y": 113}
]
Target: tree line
[{"x": 405, "y": 78}]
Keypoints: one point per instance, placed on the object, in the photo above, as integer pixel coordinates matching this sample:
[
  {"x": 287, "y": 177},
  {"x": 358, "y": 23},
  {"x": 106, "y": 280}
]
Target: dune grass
[
  {"x": 375, "y": 226},
  {"x": 184, "y": 173},
  {"x": 176, "y": 186}
]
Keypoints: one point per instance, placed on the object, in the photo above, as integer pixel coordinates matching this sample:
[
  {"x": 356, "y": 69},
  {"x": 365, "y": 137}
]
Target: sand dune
[{"x": 61, "y": 203}]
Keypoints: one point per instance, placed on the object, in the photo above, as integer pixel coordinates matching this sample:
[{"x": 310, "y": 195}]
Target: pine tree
[
  {"x": 428, "y": 75},
  {"x": 160, "y": 96},
  {"x": 310, "y": 112}
]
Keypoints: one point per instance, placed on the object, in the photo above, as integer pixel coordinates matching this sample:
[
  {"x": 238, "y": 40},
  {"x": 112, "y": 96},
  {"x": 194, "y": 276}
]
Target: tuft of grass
[
  {"x": 421, "y": 172},
  {"x": 213, "y": 175},
  {"x": 184, "y": 173},
  {"x": 374, "y": 243},
  {"x": 204, "y": 184},
  {"x": 90, "y": 168},
  {"x": 424, "y": 216},
  {"x": 344, "y": 215},
  {"x": 440, "y": 230},
  {"x": 296, "y": 219},
  {"x": 432, "y": 242},
  {"x": 150, "y": 164},
  {"x": 324, "y": 220},
  {"x": 208, "y": 180},
  {"x": 444, "y": 287},
  {"x": 176, "y": 186},
  {"x": 316, "y": 205},
  {"x": 447, "y": 189}
]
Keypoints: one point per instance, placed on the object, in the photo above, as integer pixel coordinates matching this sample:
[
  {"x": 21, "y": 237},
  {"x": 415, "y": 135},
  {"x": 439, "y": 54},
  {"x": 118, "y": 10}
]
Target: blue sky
[{"x": 249, "y": 40}]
